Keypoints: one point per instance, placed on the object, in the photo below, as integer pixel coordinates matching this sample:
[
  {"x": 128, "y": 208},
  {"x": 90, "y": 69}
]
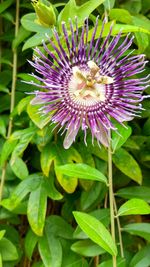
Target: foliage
[{"x": 54, "y": 202}]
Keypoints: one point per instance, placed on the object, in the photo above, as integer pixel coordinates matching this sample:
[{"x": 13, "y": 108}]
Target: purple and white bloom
[{"x": 86, "y": 83}]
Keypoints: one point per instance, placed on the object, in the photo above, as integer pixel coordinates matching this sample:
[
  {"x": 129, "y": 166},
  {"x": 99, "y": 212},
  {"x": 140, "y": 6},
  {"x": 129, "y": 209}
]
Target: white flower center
[{"x": 88, "y": 87}]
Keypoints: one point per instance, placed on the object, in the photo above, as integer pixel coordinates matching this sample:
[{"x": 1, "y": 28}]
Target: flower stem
[
  {"x": 111, "y": 195},
  {"x": 119, "y": 230},
  {"x": 12, "y": 101}
]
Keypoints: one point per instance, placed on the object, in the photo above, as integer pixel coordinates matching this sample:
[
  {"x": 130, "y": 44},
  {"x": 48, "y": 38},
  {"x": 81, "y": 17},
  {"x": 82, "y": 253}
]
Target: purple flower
[{"x": 85, "y": 84}]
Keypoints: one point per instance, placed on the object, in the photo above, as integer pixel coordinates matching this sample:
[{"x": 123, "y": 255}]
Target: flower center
[{"x": 88, "y": 87}]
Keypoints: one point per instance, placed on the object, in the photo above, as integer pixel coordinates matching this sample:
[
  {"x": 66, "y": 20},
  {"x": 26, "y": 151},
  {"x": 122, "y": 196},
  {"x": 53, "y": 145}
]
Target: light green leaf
[
  {"x": 51, "y": 191},
  {"x": 127, "y": 164},
  {"x": 8, "y": 250},
  {"x": 103, "y": 215},
  {"x": 19, "y": 168},
  {"x": 55, "y": 152},
  {"x": 139, "y": 229},
  {"x": 96, "y": 231},
  {"x": 36, "y": 211},
  {"x": 108, "y": 4},
  {"x": 141, "y": 258},
  {"x": 39, "y": 120},
  {"x": 82, "y": 171},
  {"x": 142, "y": 192},
  {"x": 134, "y": 206},
  {"x": 28, "y": 21},
  {"x": 22, "y": 105},
  {"x": 2, "y": 233},
  {"x": 2, "y": 127},
  {"x": 20, "y": 192},
  {"x": 71, "y": 10},
  {"x": 120, "y": 14},
  {"x": 47, "y": 157},
  {"x": 36, "y": 39},
  {"x": 118, "y": 139},
  {"x": 7, "y": 148},
  {"x": 50, "y": 250},
  {"x": 87, "y": 248}
]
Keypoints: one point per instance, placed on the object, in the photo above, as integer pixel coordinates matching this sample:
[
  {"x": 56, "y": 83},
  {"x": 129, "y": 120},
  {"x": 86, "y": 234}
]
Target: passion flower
[{"x": 86, "y": 83}]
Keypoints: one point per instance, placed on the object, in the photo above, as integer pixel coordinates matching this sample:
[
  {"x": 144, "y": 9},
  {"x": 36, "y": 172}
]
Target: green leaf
[
  {"x": 19, "y": 168},
  {"x": 141, "y": 258},
  {"x": 101, "y": 215},
  {"x": 56, "y": 152},
  {"x": 55, "y": 225},
  {"x": 28, "y": 21},
  {"x": 50, "y": 250},
  {"x": 39, "y": 120},
  {"x": 36, "y": 211},
  {"x": 118, "y": 139},
  {"x": 91, "y": 197},
  {"x": 30, "y": 242},
  {"x": 8, "y": 250},
  {"x": 4, "y": 5},
  {"x": 36, "y": 39},
  {"x": 20, "y": 192},
  {"x": 82, "y": 171},
  {"x": 120, "y": 263},
  {"x": 2, "y": 233},
  {"x": 2, "y": 127},
  {"x": 121, "y": 15},
  {"x": 142, "y": 192},
  {"x": 22, "y": 105},
  {"x": 134, "y": 206},
  {"x": 8, "y": 147},
  {"x": 21, "y": 36},
  {"x": 109, "y": 4},
  {"x": 139, "y": 229},
  {"x": 127, "y": 164},
  {"x": 51, "y": 191},
  {"x": 87, "y": 248},
  {"x": 71, "y": 10},
  {"x": 96, "y": 231}
]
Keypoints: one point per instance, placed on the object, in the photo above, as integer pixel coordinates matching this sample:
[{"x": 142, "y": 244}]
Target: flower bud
[{"x": 45, "y": 12}]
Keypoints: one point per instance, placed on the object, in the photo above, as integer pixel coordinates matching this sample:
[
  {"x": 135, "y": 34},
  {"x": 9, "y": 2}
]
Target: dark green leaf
[
  {"x": 139, "y": 229},
  {"x": 4, "y": 5},
  {"x": 141, "y": 258},
  {"x": 142, "y": 192}
]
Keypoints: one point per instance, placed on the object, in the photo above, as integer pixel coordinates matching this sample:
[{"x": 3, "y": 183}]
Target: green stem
[
  {"x": 111, "y": 195},
  {"x": 119, "y": 230},
  {"x": 12, "y": 101}
]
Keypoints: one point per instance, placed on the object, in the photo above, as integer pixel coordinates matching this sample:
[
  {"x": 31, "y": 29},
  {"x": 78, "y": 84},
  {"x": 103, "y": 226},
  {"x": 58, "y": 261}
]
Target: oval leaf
[
  {"x": 140, "y": 229},
  {"x": 127, "y": 164},
  {"x": 142, "y": 192},
  {"x": 96, "y": 231},
  {"x": 37, "y": 209},
  {"x": 134, "y": 206},
  {"x": 82, "y": 171}
]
